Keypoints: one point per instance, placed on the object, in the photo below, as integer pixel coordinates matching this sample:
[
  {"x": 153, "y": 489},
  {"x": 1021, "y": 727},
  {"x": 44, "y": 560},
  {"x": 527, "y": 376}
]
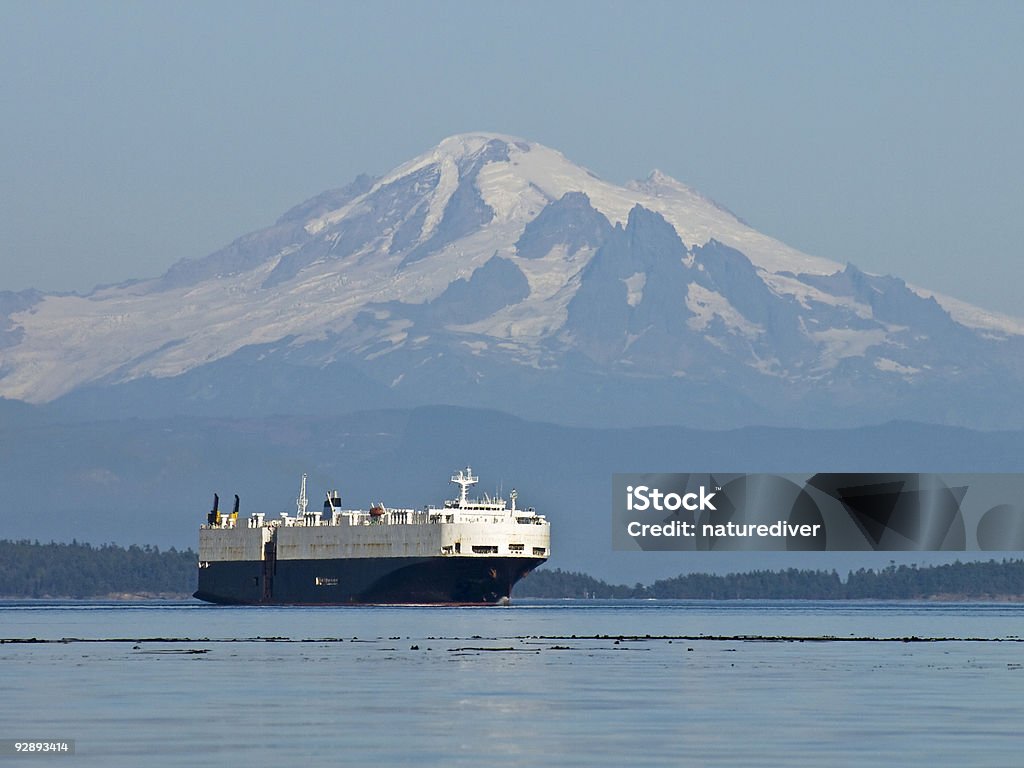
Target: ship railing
[
  {"x": 390, "y": 517},
  {"x": 226, "y": 524}
]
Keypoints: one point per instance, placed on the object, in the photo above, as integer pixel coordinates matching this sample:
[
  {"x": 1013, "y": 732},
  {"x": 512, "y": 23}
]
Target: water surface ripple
[{"x": 575, "y": 683}]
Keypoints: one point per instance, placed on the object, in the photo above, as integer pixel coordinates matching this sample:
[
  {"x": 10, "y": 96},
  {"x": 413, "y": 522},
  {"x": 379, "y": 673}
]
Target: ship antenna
[
  {"x": 464, "y": 479},
  {"x": 301, "y": 502}
]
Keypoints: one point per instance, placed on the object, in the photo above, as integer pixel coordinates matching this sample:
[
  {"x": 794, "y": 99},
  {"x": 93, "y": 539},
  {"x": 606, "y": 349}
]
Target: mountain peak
[
  {"x": 658, "y": 178},
  {"x": 488, "y": 255},
  {"x": 660, "y": 184},
  {"x": 465, "y": 144},
  {"x": 458, "y": 149}
]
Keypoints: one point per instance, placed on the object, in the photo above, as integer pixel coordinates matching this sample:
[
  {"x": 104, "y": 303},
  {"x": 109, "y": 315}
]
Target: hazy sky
[{"x": 886, "y": 134}]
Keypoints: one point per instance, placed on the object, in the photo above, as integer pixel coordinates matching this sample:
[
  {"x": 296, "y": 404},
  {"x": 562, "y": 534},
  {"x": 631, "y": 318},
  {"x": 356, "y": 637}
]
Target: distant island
[
  {"x": 991, "y": 580},
  {"x": 29, "y": 569},
  {"x": 75, "y": 570}
]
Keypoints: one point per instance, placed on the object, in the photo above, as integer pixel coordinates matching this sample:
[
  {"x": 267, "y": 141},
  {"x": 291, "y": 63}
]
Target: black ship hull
[{"x": 364, "y": 581}]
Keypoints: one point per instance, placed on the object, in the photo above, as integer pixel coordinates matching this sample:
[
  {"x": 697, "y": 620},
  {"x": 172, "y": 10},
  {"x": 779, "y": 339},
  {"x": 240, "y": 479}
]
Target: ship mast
[
  {"x": 301, "y": 502},
  {"x": 464, "y": 479}
]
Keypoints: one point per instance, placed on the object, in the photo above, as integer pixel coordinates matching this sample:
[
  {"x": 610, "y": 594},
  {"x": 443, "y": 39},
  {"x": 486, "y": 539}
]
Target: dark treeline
[
  {"x": 973, "y": 580},
  {"x": 31, "y": 569}
]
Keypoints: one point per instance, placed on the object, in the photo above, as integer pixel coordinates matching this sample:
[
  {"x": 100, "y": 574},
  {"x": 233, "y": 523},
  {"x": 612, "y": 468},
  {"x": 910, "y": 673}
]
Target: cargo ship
[{"x": 465, "y": 552}]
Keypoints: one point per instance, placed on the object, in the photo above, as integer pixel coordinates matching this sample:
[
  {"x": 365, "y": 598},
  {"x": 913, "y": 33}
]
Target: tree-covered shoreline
[
  {"x": 29, "y": 569},
  {"x": 990, "y": 580}
]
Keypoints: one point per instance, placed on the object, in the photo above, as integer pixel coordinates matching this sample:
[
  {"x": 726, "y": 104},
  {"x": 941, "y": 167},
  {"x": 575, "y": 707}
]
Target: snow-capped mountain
[{"x": 494, "y": 272}]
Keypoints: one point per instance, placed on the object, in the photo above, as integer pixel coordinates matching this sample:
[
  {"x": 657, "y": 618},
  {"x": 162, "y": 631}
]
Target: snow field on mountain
[{"x": 127, "y": 332}]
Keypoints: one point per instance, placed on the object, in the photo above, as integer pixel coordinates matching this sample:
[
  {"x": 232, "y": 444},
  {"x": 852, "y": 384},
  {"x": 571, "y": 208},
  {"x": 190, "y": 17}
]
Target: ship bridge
[{"x": 464, "y": 479}]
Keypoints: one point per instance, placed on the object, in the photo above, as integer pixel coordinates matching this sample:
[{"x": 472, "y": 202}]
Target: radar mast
[{"x": 464, "y": 479}]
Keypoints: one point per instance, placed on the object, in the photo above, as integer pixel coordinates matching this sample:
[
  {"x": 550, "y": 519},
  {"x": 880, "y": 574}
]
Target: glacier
[{"x": 494, "y": 272}]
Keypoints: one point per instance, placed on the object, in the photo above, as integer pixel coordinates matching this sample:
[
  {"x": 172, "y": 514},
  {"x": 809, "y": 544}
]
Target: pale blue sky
[{"x": 887, "y": 134}]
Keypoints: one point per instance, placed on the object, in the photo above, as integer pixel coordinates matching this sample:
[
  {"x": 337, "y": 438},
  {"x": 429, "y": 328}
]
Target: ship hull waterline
[{"x": 365, "y": 581}]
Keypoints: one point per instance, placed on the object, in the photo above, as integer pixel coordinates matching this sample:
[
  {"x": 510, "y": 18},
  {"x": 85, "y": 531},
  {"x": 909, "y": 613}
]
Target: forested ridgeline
[
  {"x": 31, "y": 569},
  {"x": 996, "y": 580}
]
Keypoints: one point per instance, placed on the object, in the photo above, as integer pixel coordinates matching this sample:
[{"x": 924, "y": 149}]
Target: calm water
[{"x": 540, "y": 683}]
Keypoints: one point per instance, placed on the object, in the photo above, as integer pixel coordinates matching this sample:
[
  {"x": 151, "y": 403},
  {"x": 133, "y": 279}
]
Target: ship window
[
  {"x": 458, "y": 547},
  {"x": 540, "y": 551},
  {"x": 485, "y": 550},
  {"x": 516, "y": 547}
]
